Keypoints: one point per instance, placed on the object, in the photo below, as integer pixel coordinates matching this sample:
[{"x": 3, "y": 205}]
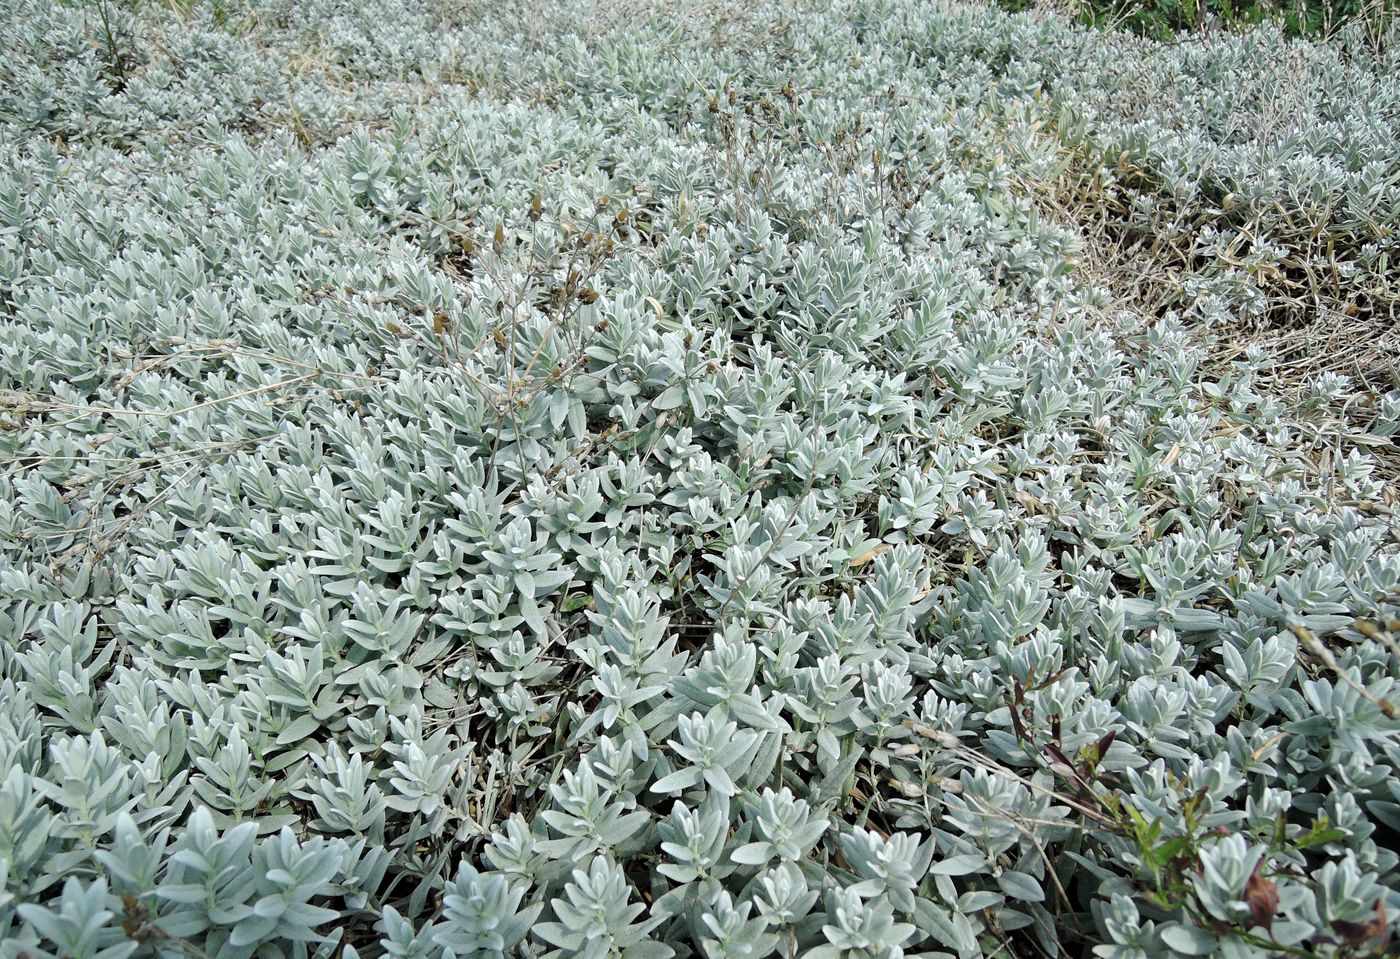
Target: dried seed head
[
  {"x": 536, "y": 208},
  {"x": 945, "y": 739},
  {"x": 907, "y": 790}
]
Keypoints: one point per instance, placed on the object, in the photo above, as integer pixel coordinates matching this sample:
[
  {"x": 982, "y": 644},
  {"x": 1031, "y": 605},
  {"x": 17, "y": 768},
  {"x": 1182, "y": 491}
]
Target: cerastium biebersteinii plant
[{"x": 503, "y": 480}]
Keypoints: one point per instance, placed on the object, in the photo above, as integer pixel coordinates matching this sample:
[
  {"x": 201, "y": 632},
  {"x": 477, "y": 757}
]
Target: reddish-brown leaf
[
  {"x": 1058, "y": 754},
  {"x": 1262, "y": 897},
  {"x": 1357, "y": 934},
  {"x": 1377, "y": 928},
  {"x": 1352, "y": 933},
  {"x": 1107, "y": 741},
  {"x": 1018, "y": 727}
]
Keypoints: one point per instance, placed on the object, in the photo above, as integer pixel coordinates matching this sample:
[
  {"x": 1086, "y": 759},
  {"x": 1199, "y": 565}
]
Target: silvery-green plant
[{"x": 571, "y": 482}]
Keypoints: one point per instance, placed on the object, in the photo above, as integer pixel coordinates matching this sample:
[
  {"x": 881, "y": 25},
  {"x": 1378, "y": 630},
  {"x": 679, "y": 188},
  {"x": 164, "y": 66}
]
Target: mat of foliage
[
  {"x": 1376, "y": 19},
  {"x": 643, "y": 480}
]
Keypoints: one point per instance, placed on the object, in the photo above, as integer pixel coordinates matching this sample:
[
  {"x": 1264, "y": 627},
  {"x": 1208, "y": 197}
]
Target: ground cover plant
[
  {"x": 1164, "y": 18},
  {"x": 704, "y": 479}
]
